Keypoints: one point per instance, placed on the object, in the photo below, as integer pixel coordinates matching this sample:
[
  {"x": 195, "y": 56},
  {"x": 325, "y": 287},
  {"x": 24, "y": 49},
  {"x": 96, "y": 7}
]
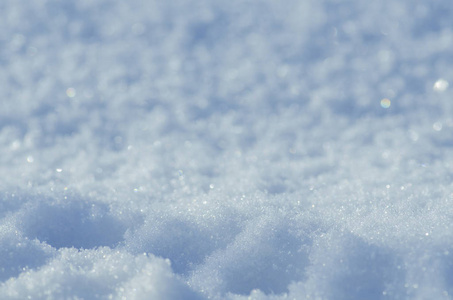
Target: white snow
[{"x": 297, "y": 149}]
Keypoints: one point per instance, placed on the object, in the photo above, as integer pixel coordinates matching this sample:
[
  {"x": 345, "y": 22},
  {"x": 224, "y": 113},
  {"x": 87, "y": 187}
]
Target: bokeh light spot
[
  {"x": 440, "y": 85},
  {"x": 71, "y": 92},
  {"x": 437, "y": 126},
  {"x": 385, "y": 103}
]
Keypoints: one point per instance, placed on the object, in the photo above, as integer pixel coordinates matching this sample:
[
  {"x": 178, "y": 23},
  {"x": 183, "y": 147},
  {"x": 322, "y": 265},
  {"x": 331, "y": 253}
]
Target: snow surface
[{"x": 226, "y": 149}]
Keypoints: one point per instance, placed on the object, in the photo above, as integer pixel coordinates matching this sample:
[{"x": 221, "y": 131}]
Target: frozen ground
[{"x": 226, "y": 149}]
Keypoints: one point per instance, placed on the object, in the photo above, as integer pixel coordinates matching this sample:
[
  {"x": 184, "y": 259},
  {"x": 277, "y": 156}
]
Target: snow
[{"x": 226, "y": 149}]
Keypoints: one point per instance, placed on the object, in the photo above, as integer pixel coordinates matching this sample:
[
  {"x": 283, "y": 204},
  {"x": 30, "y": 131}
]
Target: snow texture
[{"x": 293, "y": 149}]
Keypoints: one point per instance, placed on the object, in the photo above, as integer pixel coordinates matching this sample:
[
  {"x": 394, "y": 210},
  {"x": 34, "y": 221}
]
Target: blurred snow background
[{"x": 226, "y": 149}]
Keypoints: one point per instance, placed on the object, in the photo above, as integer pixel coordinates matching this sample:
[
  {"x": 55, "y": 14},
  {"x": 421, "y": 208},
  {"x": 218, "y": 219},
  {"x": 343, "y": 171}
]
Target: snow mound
[{"x": 226, "y": 149}]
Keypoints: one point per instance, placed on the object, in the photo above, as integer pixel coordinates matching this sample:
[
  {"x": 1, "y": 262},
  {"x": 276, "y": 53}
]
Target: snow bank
[{"x": 226, "y": 150}]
